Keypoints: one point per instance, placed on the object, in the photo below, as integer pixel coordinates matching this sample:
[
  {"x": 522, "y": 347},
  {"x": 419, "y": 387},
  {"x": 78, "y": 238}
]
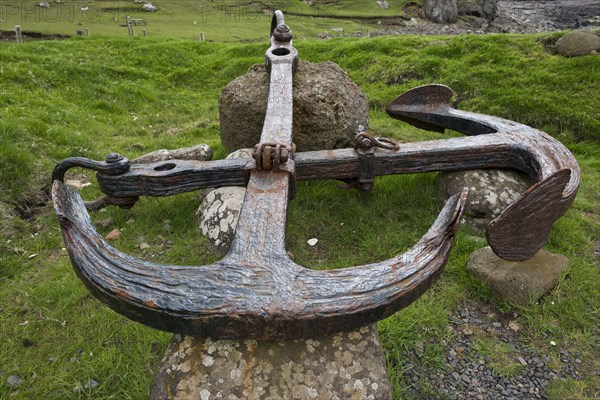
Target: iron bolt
[
  {"x": 113, "y": 158},
  {"x": 282, "y": 33}
]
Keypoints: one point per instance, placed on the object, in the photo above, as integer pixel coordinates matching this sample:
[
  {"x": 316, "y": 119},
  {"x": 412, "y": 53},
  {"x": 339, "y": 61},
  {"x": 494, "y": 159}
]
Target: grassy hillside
[
  {"x": 87, "y": 97},
  {"x": 221, "y": 21}
]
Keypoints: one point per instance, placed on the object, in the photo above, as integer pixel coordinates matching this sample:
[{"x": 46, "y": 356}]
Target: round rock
[
  {"x": 329, "y": 109},
  {"x": 578, "y": 43},
  {"x": 518, "y": 282},
  {"x": 14, "y": 380},
  {"x": 490, "y": 192},
  {"x": 218, "y": 213}
]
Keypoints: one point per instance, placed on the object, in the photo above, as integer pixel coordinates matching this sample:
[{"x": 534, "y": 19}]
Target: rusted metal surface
[{"x": 256, "y": 291}]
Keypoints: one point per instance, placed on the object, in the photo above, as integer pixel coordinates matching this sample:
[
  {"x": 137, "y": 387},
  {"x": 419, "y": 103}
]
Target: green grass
[
  {"x": 88, "y": 97},
  {"x": 503, "y": 358},
  {"x": 221, "y": 21}
]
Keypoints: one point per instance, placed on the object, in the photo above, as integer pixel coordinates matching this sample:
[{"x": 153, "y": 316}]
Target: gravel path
[{"x": 468, "y": 374}]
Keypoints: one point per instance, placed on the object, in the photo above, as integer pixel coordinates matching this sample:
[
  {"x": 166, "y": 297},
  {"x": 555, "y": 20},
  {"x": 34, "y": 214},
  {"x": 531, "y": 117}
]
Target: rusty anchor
[{"x": 256, "y": 290}]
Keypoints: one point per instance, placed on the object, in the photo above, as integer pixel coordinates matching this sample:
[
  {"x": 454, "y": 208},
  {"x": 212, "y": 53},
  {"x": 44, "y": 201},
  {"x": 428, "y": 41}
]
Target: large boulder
[
  {"x": 518, "y": 282},
  {"x": 329, "y": 109},
  {"x": 578, "y": 43},
  {"x": 441, "y": 11},
  {"x": 348, "y": 365},
  {"x": 490, "y": 192}
]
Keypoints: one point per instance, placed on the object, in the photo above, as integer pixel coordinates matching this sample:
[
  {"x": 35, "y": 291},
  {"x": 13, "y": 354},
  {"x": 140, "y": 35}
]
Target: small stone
[
  {"x": 14, "y": 380},
  {"x": 52, "y": 359},
  {"x": 467, "y": 331},
  {"x": 522, "y": 361},
  {"x": 105, "y": 222},
  {"x": 90, "y": 385},
  {"x": 514, "y": 326},
  {"x": 312, "y": 242},
  {"x": 115, "y": 234},
  {"x": 496, "y": 324},
  {"x": 145, "y": 246},
  {"x": 200, "y": 152},
  {"x": 77, "y": 184}
]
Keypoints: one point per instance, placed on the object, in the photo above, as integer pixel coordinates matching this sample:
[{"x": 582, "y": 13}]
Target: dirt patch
[{"x": 9, "y": 36}]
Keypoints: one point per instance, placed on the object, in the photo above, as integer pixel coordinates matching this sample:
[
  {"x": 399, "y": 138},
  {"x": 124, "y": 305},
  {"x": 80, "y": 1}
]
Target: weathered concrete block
[
  {"x": 518, "y": 282},
  {"x": 347, "y": 365}
]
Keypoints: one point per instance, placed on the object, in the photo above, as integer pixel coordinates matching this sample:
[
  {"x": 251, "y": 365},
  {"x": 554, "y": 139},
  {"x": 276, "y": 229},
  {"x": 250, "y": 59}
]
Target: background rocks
[
  {"x": 490, "y": 192},
  {"x": 479, "y": 8},
  {"x": 518, "y": 282},
  {"x": 329, "y": 109},
  {"x": 441, "y": 11}
]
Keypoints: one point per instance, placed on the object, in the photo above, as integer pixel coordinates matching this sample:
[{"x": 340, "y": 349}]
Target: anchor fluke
[{"x": 523, "y": 228}]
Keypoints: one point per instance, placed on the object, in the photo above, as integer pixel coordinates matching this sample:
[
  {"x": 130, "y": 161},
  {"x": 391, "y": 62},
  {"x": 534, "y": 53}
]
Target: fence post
[
  {"x": 201, "y": 38},
  {"x": 18, "y": 34}
]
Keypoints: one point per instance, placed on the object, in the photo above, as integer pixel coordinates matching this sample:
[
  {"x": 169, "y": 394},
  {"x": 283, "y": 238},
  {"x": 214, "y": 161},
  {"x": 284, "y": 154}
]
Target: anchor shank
[
  {"x": 277, "y": 127},
  {"x": 260, "y": 233}
]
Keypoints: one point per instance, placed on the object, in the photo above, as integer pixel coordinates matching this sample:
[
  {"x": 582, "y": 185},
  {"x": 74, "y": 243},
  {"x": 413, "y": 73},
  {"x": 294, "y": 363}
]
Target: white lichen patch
[
  {"x": 208, "y": 361},
  {"x": 235, "y": 374},
  {"x": 204, "y": 394},
  {"x": 218, "y": 215}
]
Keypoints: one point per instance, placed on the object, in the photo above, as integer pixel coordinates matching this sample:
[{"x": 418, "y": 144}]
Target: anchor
[{"x": 256, "y": 291}]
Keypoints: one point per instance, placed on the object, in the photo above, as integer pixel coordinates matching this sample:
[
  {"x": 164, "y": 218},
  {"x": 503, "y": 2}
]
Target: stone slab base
[
  {"x": 518, "y": 282},
  {"x": 348, "y": 365}
]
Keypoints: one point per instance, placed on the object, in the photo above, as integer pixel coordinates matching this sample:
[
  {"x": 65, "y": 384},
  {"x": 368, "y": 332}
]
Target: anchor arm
[
  {"x": 243, "y": 296},
  {"x": 524, "y": 226}
]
